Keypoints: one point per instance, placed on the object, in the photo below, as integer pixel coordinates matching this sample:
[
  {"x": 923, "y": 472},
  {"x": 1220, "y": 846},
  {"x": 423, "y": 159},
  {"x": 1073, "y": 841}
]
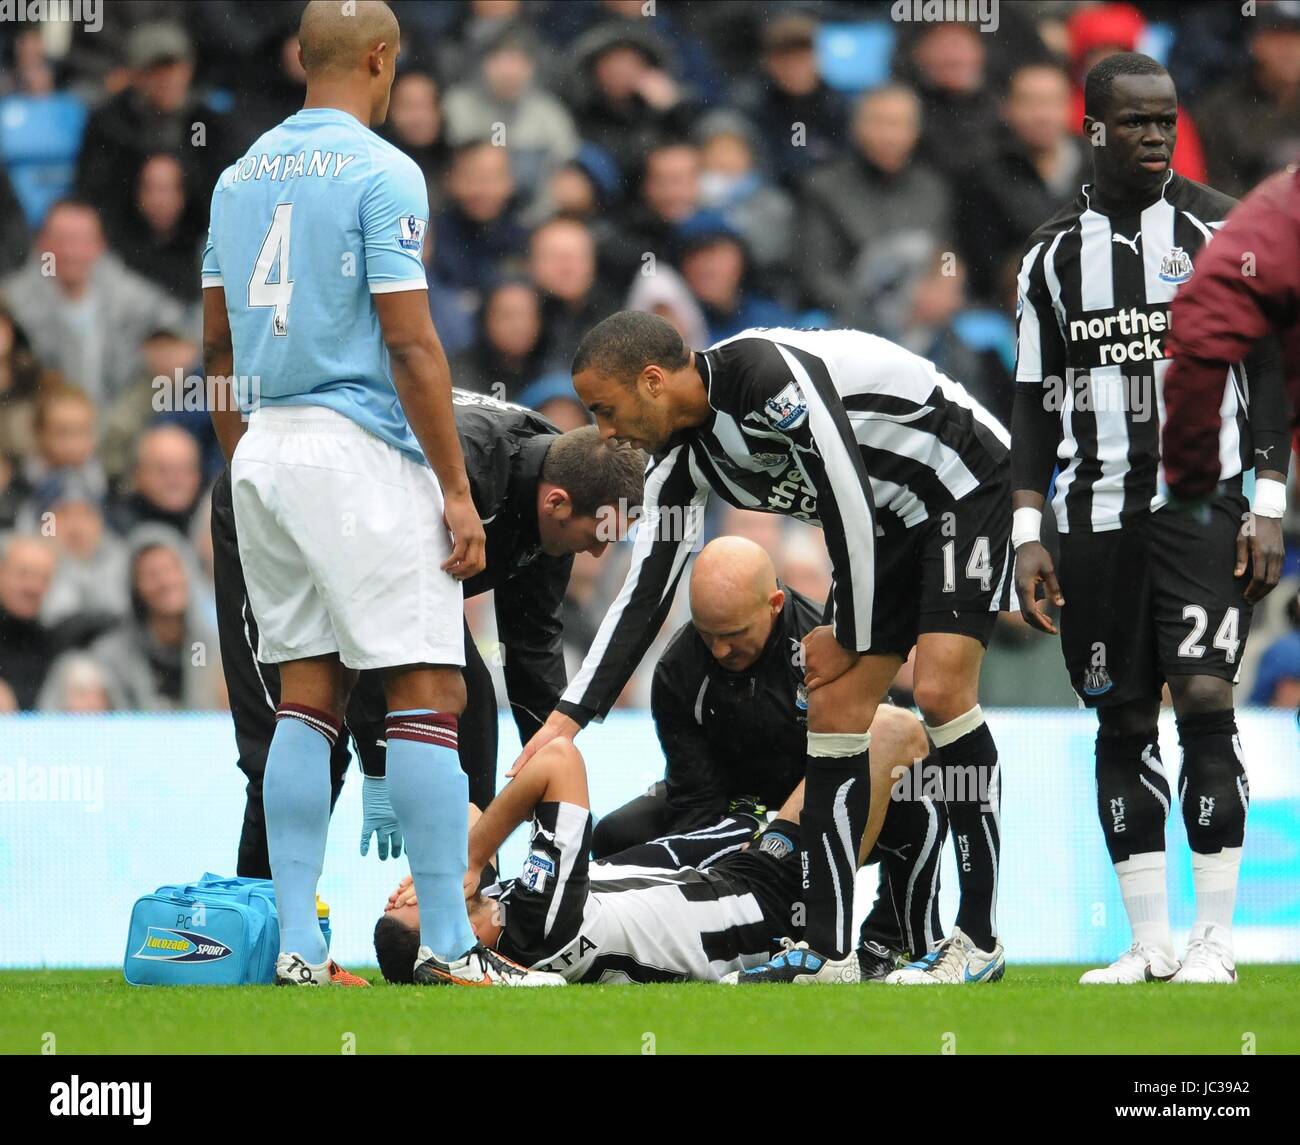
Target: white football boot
[
  {"x": 294, "y": 970},
  {"x": 796, "y": 964},
  {"x": 1208, "y": 959},
  {"x": 478, "y": 966},
  {"x": 1139, "y": 963},
  {"x": 956, "y": 961}
]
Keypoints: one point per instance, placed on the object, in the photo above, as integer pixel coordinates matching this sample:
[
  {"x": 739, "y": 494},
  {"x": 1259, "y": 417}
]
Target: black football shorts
[
  {"x": 950, "y": 573},
  {"x": 1154, "y": 599}
]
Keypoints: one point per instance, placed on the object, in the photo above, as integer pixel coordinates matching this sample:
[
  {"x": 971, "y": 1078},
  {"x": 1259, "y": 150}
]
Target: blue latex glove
[{"x": 377, "y": 818}]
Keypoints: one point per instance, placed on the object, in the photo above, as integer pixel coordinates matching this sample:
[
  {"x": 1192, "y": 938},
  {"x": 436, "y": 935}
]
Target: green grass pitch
[{"x": 1035, "y": 1010}]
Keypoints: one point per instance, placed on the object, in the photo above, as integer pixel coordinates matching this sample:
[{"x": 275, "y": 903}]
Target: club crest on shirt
[
  {"x": 410, "y": 232},
  {"x": 1176, "y": 266},
  {"x": 788, "y": 409}
]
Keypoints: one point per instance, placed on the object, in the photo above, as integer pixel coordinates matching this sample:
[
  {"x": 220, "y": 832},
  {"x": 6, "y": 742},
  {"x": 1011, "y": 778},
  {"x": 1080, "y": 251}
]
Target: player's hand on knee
[
  {"x": 825, "y": 659},
  {"x": 1034, "y": 568},
  {"x": 469, "y": 542},
  {"x": 1260, "y": 547},
  {"x": 540, "y": 739},
  {"x": 557, "y": 725},
  {"x": 378, "y": 819}
]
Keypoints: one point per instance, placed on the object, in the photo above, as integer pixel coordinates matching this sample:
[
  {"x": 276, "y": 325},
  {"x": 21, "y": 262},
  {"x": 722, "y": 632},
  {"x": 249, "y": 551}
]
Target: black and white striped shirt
[
  {"x": 1094, "y": 305},
  {"x": 691, "y": 907},
  {"x": 648, "y": 924},
  {"x": 829, "y": 426}
]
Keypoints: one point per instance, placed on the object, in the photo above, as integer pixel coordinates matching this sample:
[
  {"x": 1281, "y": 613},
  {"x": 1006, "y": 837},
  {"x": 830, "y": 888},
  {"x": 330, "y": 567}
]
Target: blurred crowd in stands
[{"x": 724, "y": 163}]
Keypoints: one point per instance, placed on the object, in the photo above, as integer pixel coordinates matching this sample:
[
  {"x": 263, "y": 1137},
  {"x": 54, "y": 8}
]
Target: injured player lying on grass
[{"x": 651, "y": 913}]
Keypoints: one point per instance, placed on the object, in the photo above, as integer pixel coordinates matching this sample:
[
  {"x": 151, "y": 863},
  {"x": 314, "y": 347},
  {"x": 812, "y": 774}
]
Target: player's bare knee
[
  {"x": 425, "y": 688},
  {"x": 945, "y": 679},
  {"x": 565, "y": 773},
  {"x": 897, "y": 737},
  {"x": 940, "y": 702},
  {"x": 319, "y": 682}
]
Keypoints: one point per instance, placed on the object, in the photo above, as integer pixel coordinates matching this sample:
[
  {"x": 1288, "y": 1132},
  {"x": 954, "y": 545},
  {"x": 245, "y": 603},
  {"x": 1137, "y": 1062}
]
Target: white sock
[
  {"x": 1215, "y": 879},
  {"x": 1146, "y": 899}
]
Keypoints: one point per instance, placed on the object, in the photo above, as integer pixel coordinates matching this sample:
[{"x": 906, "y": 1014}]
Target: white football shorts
[{"x": 341, "y": 538}]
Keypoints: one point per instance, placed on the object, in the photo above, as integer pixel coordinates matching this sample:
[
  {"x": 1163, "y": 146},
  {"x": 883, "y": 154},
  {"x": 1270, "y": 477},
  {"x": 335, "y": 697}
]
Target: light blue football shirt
[{"x": 319, "y": 215}]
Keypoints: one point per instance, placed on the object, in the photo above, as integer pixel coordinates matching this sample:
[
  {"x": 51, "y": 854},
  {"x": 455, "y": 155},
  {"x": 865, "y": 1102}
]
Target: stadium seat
[
  {"x": 983, "y": 330},
  {"x": 1156, "y": 41},
  {"x": 854, "y": 57},
  {"x": 40, "y": 139}
]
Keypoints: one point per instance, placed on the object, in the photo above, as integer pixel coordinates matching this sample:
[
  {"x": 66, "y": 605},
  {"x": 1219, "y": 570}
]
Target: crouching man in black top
[{"x": 731, "y": 712}]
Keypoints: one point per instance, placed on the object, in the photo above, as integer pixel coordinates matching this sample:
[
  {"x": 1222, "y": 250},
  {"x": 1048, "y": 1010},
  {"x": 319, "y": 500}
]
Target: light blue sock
[
  {"x": 296, "y": 797},
  {"x": 430, "y": 796}
]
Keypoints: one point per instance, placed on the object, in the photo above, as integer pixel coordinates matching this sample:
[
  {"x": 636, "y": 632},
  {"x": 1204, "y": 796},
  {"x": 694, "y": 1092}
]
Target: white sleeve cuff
[{"x": 397, "y": 287}]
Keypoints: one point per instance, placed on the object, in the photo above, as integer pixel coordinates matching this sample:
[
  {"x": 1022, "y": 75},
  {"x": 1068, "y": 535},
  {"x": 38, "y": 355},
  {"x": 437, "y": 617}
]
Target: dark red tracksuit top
[{"x": 1219, "y": 315}]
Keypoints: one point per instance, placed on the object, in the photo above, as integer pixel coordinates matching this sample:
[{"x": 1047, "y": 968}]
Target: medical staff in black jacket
[{"x": 543, "y": 496}]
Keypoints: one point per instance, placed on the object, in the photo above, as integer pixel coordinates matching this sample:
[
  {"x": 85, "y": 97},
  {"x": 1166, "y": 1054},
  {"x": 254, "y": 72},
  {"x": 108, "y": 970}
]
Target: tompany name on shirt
[
  {"x": 1139, "y": 333},
  {"x": 792, "y": 496},
  {"x": 289, "y": 165}
]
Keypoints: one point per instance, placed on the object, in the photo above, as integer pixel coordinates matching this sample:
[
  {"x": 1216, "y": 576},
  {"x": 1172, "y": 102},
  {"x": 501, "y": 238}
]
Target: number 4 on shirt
[{"x": 274, "y": 256}]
